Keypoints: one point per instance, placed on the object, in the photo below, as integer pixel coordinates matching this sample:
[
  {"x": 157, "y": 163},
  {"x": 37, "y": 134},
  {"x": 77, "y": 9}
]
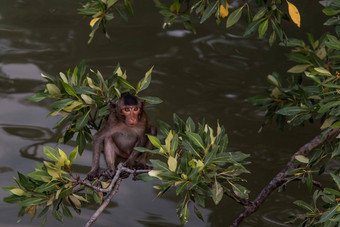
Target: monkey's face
[{"x": 131, "y": 114}]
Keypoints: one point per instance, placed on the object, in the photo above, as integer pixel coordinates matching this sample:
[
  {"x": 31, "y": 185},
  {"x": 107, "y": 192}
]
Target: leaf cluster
[
  {"x": 103, "y": 11},
  {"x": 311, "y": 92},
  {"x": 259, "y": 14},
  {"x": 196, "y": 164},
  {"x": 48, "y": 187},
  {"x": 328, "y": 215},
  {"x": 83, "y": 100}
]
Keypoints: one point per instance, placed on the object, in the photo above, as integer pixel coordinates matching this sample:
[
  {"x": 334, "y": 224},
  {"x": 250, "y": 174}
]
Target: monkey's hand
[{"x": 92, "y": 174}]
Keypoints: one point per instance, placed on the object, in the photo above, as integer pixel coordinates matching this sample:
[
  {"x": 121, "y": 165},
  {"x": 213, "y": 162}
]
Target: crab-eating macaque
[{"x": 125, "y": 128}]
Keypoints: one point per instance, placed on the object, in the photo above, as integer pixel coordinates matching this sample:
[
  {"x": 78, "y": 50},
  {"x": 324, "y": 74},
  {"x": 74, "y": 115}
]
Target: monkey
[{"x": 125, "y": 128}]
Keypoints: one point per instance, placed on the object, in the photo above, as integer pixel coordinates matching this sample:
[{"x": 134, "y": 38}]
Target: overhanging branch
[{"x": 280, "y": 178}]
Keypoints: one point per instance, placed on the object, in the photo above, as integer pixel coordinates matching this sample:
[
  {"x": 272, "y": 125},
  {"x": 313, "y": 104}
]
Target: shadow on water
[{"x": 208, "y": 75}]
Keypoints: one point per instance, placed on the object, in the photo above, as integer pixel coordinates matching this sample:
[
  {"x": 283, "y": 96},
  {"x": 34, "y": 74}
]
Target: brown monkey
[{"x": 124, "y": 129}]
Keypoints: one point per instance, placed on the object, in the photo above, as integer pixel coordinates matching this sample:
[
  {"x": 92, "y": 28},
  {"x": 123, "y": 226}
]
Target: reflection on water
[
  {"x": 208, "y": 75},
  {"x": 27, "y": 132}
]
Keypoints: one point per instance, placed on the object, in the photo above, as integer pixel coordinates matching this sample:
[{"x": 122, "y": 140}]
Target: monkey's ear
[
  {"x": 113, "y": 106},
  {"x": 142, "y": 102}
]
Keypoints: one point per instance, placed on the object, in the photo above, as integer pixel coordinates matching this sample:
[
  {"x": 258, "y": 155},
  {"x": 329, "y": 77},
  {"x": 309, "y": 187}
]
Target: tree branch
[
  {"x": 104, "y": 204},
  {"x": 112, "y": 189},
  {"x": 280, "y": 178}
]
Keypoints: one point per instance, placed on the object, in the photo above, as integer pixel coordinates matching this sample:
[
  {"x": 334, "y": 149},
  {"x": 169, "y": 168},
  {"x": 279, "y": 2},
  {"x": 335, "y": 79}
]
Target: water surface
[{"x": 208, "y": 75}]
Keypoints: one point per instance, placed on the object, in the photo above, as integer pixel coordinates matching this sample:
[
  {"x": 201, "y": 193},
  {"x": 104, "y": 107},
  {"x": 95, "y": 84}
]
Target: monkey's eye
[
  {"x": 127, "y": 109},
  {"x": 135, "y": 109}
]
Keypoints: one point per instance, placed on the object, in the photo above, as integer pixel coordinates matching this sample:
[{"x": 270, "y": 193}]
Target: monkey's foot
[
  {"x": 108, "y": 173},
  {"x": 92, "y": 175}
]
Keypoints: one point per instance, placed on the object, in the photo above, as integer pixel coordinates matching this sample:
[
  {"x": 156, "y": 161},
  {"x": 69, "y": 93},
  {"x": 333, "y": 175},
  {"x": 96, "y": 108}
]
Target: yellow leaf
[
  {"x": 168, "y": 141},
  {"x": 72, "y": 106},
  {"x": 75, "y": 201},
  {"x": 224, "y": 11},
  {"x": 200, "y": 165},
  {"x": 93, "y": 21},
  {"x": 87, "y": 99},
  {"x": 53, "y": 89},
  {"x": 294, "y": 13},
  {"x": 155, "y": 173},
  {"x": 105, "y": 184},
  {"x": 17, "y": 191},
  {"x": 53, "y": 173},
  {"x": 172, "y": 163}
]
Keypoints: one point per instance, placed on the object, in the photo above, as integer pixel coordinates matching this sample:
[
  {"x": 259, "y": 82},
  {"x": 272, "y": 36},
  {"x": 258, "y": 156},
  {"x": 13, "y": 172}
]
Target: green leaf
[
  {"x": 260, "y": 14},
  {"x": 145, "y": 177},
  {"x": 290, "y": 110},
  {"x": 65, "y": 192},
  {"x": 73, "y": 155},
  {"x": 66, "y": 211},
  {"x": 304, "y": 205},
  {"x": 155, "y": 141},
  {"x": 12, "y": 199},
  {"x": 58, "y": 215},
  {"x": 299, "y": 68},
  {"x": 330, "y": 11},
  {"x": 235, "y": 170},
  {"x": 217, "y": 192},
  {"x": 336, "y": 180},
  {"x": 324, "y": 108},
  {"x": 51, "y": 153},
  {"x": 273, "y": 80},
  {"x": 31, "y": 201},
  {"x": 194, "y": 137},
  {"x": 252, "y": 26},
  {"x": 144, "y": 83},
  {"x": 122, "y": 82},
  {"x": 69, "y": 89},
  {"x": 278, "y": 30},
  {"x": 159, "y": 165},
  {"x": 198, "y": 213},
  {"x": 240, "y": 191},
  {"x": 151, "y": 100},
  {"x": 37, "y": 97},
  {"x": 329, "y": 214},
  {"x": 82, "y": 121},
  {"x": 143, "y": 149},
  {"x": 111, "y": 3},
  {"x": 263, "y": 28},
  {"x": 81, "y": 142},
  {"x": 234, "y": 17},
  {"x": 40, "y": 176},
  {"x": 183, "y": 213},
  {"x": 211, "y": 8},
  {"x": 43, "y": 212}
]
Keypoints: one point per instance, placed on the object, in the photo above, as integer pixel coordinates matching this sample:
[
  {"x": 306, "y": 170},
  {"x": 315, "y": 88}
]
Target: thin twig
[
  {"x": 106, "y": 202},
  {"x": 280, "y": 178}
]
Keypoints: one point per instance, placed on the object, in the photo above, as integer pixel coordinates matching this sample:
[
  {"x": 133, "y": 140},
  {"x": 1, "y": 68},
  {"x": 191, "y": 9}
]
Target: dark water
[{"x": 208, "y": 75}]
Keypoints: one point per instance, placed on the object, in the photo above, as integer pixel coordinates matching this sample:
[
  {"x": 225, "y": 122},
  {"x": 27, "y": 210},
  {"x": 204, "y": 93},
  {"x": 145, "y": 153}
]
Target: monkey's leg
[
  {"x": 148, "y": 145},
  {"x": 110, "y": 150}
]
